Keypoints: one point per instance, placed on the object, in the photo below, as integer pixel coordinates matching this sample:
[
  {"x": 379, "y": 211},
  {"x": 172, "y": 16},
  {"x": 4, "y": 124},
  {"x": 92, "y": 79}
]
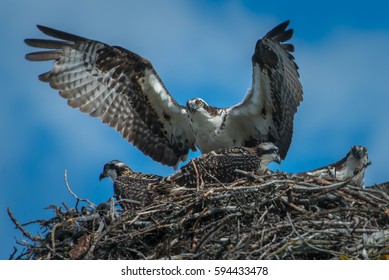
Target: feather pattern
[
  {"x": 267, "y": 112},
  {"x": 220, "y": 166},
  {"x": 129, "y": 185},
  {"x": 124, "y": 90},
  {"x": 121, "y": 88}
]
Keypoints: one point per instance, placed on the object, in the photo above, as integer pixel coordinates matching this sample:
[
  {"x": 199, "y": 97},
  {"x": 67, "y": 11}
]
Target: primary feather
[{"x": 124, "y": 90}]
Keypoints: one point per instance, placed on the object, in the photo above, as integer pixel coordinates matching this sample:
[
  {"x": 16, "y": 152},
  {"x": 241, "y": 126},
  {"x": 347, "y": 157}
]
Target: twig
[
  {"x": 249, "y": 175},
  {"x": 313, "y": 188},
  {"x": 11, "y": 257},
  {"x": 197, "y": 176},
  {"x": 19, "y": 226},
  {"x": 74, "y": 195},
  {"x": 305, "y": 240},
  {"x": 279, "y": 216},
  {"x": 31, "y": 237}
]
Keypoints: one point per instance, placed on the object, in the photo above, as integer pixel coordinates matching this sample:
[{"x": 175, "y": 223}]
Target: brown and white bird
[
  {"x": 220, "y": 166},
  {"x": 353, "y": 165},
  {"x": 130, "y": 188},
  {"x": 124, "y": 90}
]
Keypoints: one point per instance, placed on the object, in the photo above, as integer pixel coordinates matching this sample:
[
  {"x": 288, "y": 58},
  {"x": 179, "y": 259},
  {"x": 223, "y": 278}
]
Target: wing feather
[
  {"x": 121, "y": 88},
  {"x": 267, "y": 111}
]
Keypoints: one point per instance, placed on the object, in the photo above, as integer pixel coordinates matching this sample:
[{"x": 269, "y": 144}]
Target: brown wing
[
  {"x": 121, "y": 88},
  {"x": 267, "y": 112},
  {"x": 135, "y": 187}
]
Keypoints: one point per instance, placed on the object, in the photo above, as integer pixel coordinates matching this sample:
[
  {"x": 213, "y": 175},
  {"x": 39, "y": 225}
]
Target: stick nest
[{"x": 278, "y": 216}]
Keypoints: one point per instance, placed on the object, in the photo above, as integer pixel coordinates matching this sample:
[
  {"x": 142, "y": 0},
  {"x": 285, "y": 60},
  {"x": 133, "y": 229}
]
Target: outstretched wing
[
  {"x": 266, "y": 114},
  {"x": 120, "y": 87}
]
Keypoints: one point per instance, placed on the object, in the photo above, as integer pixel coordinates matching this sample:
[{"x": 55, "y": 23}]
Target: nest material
[{"x": 278, "y": 216}]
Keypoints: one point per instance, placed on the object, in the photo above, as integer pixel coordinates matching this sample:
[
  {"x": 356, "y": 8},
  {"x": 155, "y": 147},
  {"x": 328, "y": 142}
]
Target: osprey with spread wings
[{"x": 125, "y": 91}]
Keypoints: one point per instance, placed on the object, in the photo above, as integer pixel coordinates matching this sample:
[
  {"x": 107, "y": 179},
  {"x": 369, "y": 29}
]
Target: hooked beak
[
  {"x": 278, "y": 159},
  {"x": 192, "y": 107},
  {"x": 358, "y": 154},
  {"x": 102, "y": 175}
]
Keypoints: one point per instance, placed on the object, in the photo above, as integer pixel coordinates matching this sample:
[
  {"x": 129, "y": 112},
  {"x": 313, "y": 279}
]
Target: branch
[
  {"x": 20, "y": 227},
  {"x": 74, "y": 195}
]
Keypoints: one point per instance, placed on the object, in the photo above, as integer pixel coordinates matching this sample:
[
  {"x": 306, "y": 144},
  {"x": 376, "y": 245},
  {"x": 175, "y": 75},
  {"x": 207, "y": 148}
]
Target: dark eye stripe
[{"x": 269, "y": 151}]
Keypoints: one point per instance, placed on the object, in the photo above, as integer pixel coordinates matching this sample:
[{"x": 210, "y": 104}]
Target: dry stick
[
  {"x": 74, "y": 195},
  {"x": 364, "y": 198},
  {"x": 299, "y": 209},
  {"x": 40, "y": 221},
  {"x": 89, "y": 254},
  {"x": 267, "y": 184},
  {"x": 249, "y": 174},
  {"x": 28, "y": 235},
  {"x": 53, "y": 235},
  {"x": 304, "y": 240},
  {"x": 138, "y": 253},
  {"x": 214, "y": 230},
  {"x": 260, "y": 220},
  {"x": 369, "y": 190},
  {"x": 197, "y": 176},
  {"x": 199, "y": 217},
  {"x": 312, "y": 187},
  {"x": 214, "y": 210},
  {"x": 11, "y": 257},
  {"x": 20, "y": 227}
]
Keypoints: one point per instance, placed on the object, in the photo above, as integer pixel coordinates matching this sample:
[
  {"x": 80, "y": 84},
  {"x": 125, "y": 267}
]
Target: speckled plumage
[
  {"x": 129, "y": 185},
  {"x": 220, "y": 165}
]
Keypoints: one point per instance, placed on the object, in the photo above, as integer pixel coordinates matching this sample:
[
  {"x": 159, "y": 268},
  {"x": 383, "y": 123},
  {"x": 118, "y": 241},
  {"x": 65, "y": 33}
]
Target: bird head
[
  {"x": 268, "y": 152},
  {"x": 198, "y": 105},
  {"x": 356, "y": 162},
  {"x": 359, "y": 154},
  {"x": 114, "y": 169}
]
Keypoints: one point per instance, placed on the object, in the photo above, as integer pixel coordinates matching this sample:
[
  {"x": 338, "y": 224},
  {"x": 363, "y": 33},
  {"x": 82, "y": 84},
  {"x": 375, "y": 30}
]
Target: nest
[{"x": 278, "y": 216}]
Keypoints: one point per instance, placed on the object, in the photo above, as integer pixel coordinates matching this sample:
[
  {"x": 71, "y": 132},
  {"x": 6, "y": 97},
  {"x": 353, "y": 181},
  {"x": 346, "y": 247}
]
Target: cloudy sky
[{"x": 200, "y": 49}]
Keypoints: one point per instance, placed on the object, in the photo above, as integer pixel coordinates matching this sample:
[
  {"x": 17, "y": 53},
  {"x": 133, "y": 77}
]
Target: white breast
[{"x": 209, "y": 132}]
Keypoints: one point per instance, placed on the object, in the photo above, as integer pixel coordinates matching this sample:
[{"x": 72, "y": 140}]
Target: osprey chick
[
  {"x": 129, "y": 185},
  {"x": 221, "y": 165},
  {"x": 352, "y": 165}
]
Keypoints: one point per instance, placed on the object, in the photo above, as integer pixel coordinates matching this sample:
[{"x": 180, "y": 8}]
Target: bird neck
[{"x": 206, "y": 129}]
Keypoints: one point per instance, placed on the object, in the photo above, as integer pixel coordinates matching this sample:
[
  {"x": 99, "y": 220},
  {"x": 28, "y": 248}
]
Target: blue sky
[{"x": 200, "y": 49}]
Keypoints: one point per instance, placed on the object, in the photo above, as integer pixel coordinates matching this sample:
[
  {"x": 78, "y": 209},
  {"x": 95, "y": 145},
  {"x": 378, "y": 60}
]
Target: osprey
[
  {"x": 214, "y": 167},
  {"x": 353, "y": 165},
  {"x": 128, "y": 185},
  {"x": 124, "y": 90},
  {"x": 220, "y": 166}
]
